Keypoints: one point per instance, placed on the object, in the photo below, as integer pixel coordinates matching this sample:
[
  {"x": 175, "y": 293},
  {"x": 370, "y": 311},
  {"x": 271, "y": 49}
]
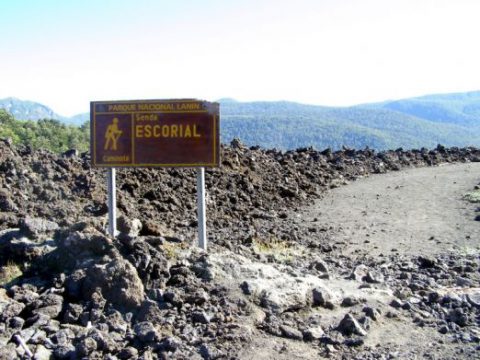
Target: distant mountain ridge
[
  {"x": 448, "y": 119},
  {"x": 31, "y": 110}
]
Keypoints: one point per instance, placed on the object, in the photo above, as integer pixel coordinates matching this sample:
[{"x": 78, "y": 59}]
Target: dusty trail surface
[{"x": 412, "y": 212}]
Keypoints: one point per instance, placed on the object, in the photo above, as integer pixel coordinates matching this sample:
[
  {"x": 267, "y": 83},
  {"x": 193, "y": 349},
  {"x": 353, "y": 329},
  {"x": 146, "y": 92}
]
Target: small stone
[
  {"x": 146, "y": 332},
  {"x": 427, "y": 262},
  {"x": 319, "y": 265},
  {"x": 86, "y": 346},
  {"x": 200, "y": 317},
  {"x": 42, "y": 353},
  {"x": 349, "y": 325},
  {"x": 396, "y": 303},
  {"x": 474, "y": 298},
  {"x": 65, "y": 352},
  {"x": 359, "y": 273},
  {"x": 313, "y": 334},
  {"x": 129, "y": 227},
  {"x": 458, "y": 317},
  {"x": 443, "y": 329},
  {"x": 322, "y": 297},
  {"x": 72, "y": 313},
  {"x": 128, "y": 353},
  {"x": 464, "y": 282},
  {"x": 333, "y": 338},
  {"x": 291, "y": 333},
  {"x": 354, "y": 342},
  {"x": 349, "y": 301},
  {"x": 375, "y": 277},
  {"x": 16, "y": 323},
  {"x": 35, "y": 227},
  {"x": 246, "y": 288},
  {"x": 372, "y": 313}
]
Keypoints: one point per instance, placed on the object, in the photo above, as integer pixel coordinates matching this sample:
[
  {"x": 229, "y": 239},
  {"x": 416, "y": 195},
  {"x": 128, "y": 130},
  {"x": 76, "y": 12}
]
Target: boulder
[{"x": 118, "y": 282}]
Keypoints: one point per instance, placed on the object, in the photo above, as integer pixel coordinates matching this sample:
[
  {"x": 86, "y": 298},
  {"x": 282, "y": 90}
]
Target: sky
[{"x": 66, "y": 53}]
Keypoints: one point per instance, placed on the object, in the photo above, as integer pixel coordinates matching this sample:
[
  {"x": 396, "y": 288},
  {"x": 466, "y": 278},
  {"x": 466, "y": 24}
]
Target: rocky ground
[{"x": 280, "y": 279}]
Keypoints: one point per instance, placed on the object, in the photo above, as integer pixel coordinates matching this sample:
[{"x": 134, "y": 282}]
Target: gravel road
[{"x": 415, "y": 211}]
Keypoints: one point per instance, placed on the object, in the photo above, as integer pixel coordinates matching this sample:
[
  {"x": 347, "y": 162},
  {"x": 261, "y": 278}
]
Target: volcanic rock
[
  {"x": 349, "y": 326},
  {"x": 119, "y": 283}
]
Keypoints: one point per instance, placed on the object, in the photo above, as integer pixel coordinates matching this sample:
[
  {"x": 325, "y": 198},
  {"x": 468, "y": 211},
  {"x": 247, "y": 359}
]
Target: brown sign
[{"x": 155, "y": 133}]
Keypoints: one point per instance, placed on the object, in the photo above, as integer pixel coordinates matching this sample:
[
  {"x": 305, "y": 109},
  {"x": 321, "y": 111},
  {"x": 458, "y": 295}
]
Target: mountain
[
  {"x": 287, "y": 125},
  {"x": 30, "y": 110},
  {"x": 27, "y": 110},
  {"x": 457, "y": 108},
  {"x": 448, "y": 119}
]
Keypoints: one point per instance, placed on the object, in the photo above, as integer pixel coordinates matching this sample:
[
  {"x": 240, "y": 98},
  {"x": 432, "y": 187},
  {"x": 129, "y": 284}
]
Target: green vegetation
[
  {"x": 9, "y": 273},
  {"x": 280, "y": 250},
  {"x": 46, "y": 133},
  {"x": 473, "y": 196},
  {"x": 287, "y": 125}
]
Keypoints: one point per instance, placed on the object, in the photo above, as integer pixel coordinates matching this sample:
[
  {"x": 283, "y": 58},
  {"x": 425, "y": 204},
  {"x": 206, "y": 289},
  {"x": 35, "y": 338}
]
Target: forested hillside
[
  {"x": 448, "y": 119},
  {"x": 45, "y": 133},
  {"x": 289, "y": 125}
]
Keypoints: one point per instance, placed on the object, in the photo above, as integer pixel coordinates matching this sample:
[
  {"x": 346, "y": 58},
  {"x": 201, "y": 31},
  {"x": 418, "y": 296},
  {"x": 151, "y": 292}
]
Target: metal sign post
[
  {"x": 112, "y": 202},
  {"x": 155, "y": 133},
  {"x": 202, "y": 226}
]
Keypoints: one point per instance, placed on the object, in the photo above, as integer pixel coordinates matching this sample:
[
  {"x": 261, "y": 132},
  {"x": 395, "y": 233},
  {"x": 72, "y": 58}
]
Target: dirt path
[{"x": 415, "y": 211}]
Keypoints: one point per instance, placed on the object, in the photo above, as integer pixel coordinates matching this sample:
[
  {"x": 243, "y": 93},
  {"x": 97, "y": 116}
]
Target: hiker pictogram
[{"x": 112, "y": 135}]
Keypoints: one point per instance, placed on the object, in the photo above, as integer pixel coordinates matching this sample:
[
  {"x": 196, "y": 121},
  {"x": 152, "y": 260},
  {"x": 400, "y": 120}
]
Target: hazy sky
[{"x": 65, "y": 53}]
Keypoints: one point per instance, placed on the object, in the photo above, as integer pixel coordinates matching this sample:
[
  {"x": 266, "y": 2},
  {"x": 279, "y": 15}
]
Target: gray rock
[
  {"x": 374, "y": 277},
  {"x": 119, "y": 283},
  {"x": 77, "y": 242},
  {"x": 474, "y": 298},
  {"x": 86, "y": 346},
  {"x": 359, "y": 273},
  {"x": 350, "y": 301},
  {"x": 349, "y": 326},
  {"x": 464, "y": 282},
  {"x": 42, "y": 353},
  {"x": 35, "y": 227},
  {"x": 200, "y": 317},
  {"x": 458, "y": 316},
  {"x": 16, "y": 323},
  {"x": 6, "y": 203},
  {"x": 128, "y": 353},
  {"x": 319, "y": 265},
  {"x": 427, "y": 262},
  {"x": 8, "y": 352},
  {"x": 146, "y": 332},
  {"x": 354, "y": 342},
  {"x": 321, "y": 296},
  {"x": 65, "y": 352},
  {"x": 396, "y": 303},
  {"x": 38, "y": 338},
  {"x": 9, "y": 308},
  {"x": 50, "y": 305},
  {"x": 291, "y": 333},
  {"x": 313, "y": 333},
  {"x": 72, "y": 313},
  {"x": 372, "y": 313},
  {"x": 129, "y": 227}
]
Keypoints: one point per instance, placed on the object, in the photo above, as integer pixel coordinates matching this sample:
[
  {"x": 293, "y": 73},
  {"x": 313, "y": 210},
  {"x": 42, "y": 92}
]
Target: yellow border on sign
[
  {"x": 152, "y": 111},
  {"x": 132, "y": 163},
  {"x": 132, "y": 145}
]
